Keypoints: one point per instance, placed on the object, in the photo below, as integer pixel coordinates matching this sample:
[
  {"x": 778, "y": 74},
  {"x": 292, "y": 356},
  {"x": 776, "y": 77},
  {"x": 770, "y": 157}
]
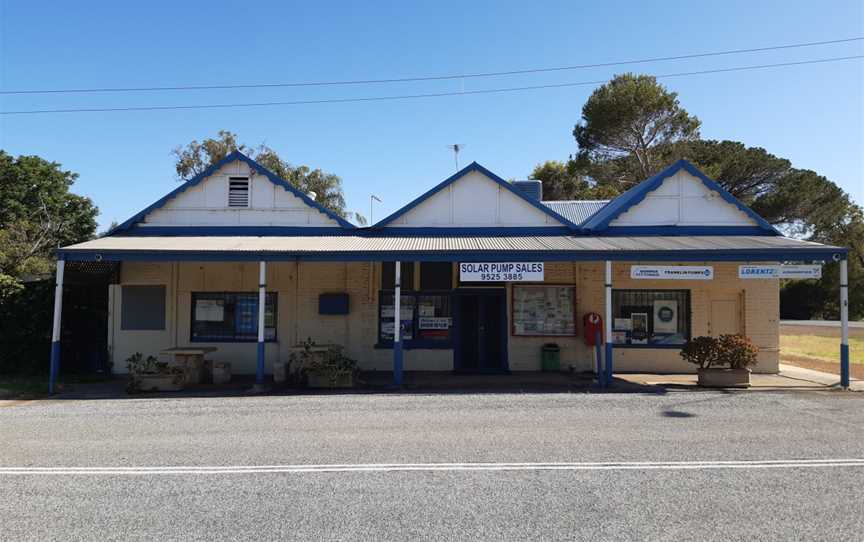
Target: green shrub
[
  {"x": 737, "y": 351},
  {"x": 733, "y": 351},
  {"x": 701, "y": 351}
]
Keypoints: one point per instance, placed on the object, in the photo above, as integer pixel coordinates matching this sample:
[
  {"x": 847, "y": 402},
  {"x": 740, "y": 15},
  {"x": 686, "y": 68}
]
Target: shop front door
[{"x": 481, "y": 337}]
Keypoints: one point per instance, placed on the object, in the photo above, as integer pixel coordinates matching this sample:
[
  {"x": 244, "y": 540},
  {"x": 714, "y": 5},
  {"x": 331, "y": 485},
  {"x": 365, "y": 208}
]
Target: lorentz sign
[{"x": 501, "y": 272}]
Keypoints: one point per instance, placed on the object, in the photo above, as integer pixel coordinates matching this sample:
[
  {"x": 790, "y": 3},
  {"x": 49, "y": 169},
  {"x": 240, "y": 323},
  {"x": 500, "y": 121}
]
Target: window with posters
[
  {"x": 427, "y": 319},
  {"x": 546, "y": 310},
  {"x": 650, "y": 317},
  {"x": 231, "y": 317}
]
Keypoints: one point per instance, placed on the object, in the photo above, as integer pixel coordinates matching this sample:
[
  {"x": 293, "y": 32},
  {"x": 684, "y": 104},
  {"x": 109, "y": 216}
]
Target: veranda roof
[{"x": 450, "y": 248}]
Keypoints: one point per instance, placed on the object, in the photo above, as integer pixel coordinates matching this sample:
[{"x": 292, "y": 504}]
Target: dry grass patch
[{"x": 796, "y": 349}]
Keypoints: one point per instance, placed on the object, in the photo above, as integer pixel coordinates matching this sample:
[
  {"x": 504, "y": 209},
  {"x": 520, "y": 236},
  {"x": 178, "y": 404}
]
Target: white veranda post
[
  {"x": 607, "y": 325},
  {"x": 262, "y": 299},
  {"x": 844, "y": 323},
  {"x": 397, "y": 324},
  {"x": 55, "y": 331}
]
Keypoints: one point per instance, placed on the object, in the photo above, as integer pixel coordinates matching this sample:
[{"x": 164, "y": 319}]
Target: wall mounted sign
[
  {"x": 780, "y": 271},
  {"x": 672, "y": 272},
  {"x": 501, "y": 272}
]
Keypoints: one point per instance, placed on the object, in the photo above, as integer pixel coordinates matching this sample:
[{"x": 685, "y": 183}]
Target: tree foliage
[
  {"x": 195, "y": 157},
  {"x": 631, "y": 116},
  {"x": 632, "y": 127},
  {"x": 38, "y": 213},
  {"x": 566, "y": 181}
]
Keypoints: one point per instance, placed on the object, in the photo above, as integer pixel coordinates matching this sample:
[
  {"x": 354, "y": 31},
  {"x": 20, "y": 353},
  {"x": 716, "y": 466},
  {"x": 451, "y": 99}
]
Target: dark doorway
[
  {"x": 480, "y": 331},
  {"x": 84, "y": 336}
]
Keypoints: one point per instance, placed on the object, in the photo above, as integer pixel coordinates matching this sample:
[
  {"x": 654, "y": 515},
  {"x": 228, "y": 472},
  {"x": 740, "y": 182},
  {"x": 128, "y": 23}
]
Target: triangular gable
[
  {"x": 675, "y": 198},
  {"x": 474, "y": 197},
  {"x": 331, "y": 219}
]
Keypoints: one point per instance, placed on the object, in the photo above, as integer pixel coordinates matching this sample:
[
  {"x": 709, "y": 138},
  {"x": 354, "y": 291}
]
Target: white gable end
[
  {"x": 474, "y": 200},
  {"x": 206, "y": 204},
  {"x": 683, "y": 200}
]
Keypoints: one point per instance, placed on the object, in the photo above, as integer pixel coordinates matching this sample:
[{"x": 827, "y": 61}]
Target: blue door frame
[{"x": 458, "y": 297}]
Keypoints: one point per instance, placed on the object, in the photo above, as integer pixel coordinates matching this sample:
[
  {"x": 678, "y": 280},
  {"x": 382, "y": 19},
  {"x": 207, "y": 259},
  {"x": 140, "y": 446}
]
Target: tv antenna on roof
[
  {"x": 456, "y": 147},
  {"x": 372, "y": 199}
]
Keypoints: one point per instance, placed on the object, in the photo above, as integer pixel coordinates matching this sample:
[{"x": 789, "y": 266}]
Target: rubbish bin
[{"x": 551, "y": 357}]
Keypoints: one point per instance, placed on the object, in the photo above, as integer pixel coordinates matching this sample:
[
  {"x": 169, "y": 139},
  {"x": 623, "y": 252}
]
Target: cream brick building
[{"x": 669, "y": 260}]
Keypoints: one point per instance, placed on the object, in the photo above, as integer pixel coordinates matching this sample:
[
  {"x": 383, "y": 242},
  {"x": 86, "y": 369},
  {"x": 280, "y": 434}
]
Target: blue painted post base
[
  {"x": 259, "y": 370},
  {"x": 397, "y": 364},
  {"x": 55, "y": 366},
  {"x": 601, "y": 380},
  {"x": 260, "y": 386},
  {"x": 608, "y": 372},
  {"x": 844, "y": 365}
]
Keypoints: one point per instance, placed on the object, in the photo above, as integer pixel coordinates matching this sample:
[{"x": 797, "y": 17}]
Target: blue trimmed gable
[
  {"x": 676, "y": 201},
  {"x": 190, "y": 207},
  {"x": 474, "y": 199}
]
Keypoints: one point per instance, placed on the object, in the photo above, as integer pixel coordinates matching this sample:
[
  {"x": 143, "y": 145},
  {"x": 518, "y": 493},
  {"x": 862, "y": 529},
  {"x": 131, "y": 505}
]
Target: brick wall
[{"x": 298, "y": 288}]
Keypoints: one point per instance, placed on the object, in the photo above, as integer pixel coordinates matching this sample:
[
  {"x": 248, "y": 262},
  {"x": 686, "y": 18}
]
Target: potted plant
[
  {"x": 723, "y": 362},
  {"x": 333, "y": 369},
  {"x": 150, "y": 374}
]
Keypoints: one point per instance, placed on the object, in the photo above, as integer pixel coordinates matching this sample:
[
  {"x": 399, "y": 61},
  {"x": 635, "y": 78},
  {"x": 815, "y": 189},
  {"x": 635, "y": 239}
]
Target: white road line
[{"x": 435, "y": 467}]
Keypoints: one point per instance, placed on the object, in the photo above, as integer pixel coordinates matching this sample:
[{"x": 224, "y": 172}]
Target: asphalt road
[{"x": 622, "y": 476}]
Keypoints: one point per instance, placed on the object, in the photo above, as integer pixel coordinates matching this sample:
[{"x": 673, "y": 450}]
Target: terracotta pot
[{"x": 716, "y": 377}]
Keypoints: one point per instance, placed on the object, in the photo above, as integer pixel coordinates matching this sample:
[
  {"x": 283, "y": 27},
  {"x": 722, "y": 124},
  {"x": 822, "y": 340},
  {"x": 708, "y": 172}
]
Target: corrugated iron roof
[
  {"x": 576, "y": 211},
  {"x": 459, "y": 247}
]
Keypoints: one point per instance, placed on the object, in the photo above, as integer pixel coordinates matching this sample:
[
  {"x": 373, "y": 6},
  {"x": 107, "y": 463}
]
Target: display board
[{"x": 544, "y": 310}]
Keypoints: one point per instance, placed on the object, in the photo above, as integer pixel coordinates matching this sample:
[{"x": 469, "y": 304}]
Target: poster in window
[
  {"x": 665, "y": 316},
  {"x": 544, "y": 310},
  {"x": 246, "y": 315},
  {"x": 209, "y": 310},
  {"x": 639, "y": 328}
]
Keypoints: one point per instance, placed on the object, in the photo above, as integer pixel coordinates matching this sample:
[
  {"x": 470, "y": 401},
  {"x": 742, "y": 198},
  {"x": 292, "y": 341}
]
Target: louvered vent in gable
[{"x": 238, "y": 192}]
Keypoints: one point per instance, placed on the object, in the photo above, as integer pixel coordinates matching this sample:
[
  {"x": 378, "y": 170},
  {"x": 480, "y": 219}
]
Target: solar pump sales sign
[
  {"x": 672, "y": 272},
  {"x": 501, "y": 272}
]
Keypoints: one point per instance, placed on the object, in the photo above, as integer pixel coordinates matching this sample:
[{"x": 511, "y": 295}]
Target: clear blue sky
[{"x": 813, "y": 115}]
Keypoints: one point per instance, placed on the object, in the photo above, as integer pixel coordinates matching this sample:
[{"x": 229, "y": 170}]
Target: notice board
[{"x": 544, "y": 310}]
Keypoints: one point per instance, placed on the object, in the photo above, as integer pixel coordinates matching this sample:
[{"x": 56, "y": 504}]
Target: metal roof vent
[{"x": 531, "y": 188}]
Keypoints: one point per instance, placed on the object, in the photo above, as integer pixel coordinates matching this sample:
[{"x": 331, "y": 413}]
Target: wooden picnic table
[{"x": 191, "y": 358}]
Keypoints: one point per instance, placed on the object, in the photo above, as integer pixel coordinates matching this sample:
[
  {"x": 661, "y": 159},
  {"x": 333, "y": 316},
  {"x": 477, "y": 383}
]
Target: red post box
[{"x": 592, "y": 323}]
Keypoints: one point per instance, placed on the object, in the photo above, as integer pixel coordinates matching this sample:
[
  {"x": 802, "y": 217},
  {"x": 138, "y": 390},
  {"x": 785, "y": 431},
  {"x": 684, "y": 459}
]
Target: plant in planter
[
  {"x": 723, "y": 362},
  {"x": 150, "y": 374},
  {"x": 333, "y": 369}
]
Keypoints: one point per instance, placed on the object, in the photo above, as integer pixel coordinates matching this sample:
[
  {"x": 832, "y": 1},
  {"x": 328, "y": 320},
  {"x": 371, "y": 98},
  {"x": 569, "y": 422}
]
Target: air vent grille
[{"x": 238, "y": 192}]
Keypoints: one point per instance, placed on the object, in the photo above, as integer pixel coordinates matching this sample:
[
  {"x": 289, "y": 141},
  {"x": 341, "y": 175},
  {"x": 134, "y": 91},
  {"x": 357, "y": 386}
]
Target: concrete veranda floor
[{"x": 790, "y": 378}]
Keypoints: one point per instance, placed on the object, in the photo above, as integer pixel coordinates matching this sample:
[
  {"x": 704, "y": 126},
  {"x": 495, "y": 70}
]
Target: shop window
[
  {"x": 231, "y": 317},
  {"x": 142, "y": 308},
  {"x": 651, "y": 317},
  {"x": 427, "y": 319},
  {"x": 388, "y": 275},
  {"x": 434, "y": 317},
  {"x": 544, "y": 310},
  {"x": 436, "y": 276},
  {"x": 387, "y": 311}
]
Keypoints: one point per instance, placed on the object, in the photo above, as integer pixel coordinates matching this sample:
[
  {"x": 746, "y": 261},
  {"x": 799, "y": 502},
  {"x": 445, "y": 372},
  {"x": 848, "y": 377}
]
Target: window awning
[{"x": 450, "y": 248}]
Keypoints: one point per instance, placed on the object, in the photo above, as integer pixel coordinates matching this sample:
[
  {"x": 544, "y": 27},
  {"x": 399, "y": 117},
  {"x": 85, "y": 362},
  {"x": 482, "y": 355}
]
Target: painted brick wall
[{"x": 298, "y": 289}]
